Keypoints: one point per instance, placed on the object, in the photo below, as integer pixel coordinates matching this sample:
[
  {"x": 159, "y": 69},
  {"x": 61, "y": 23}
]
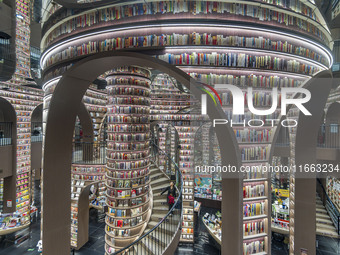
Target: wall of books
[
  {"x": 24, "y": 101},
  {"x": 302, "y": 19}
]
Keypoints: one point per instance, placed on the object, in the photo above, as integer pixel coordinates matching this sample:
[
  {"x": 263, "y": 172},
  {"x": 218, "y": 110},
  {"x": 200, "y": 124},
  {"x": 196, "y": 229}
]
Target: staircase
[
  {"x": 324, "y": 224},
  {"x": 159, "y": 237}
]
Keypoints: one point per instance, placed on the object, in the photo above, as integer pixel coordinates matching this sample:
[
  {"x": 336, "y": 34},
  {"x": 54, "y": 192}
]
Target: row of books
[
  {"x": 89, "y": 100},
  {"x": 22, "y": 205},
  {"x": 127, "y": 146},
  {"x": 165, "y": 107},
  {"x": 96, "y": 94},
  {"x": 117, "y": 79},
  {"x": 254, "y": 174},
  {"x": 253, "y": 228},
  {"x": 171, "y": 103},
  {"x": 253, "y": 135},
  {"x": 253, "y": 247},
  {"x": 118, "y": 232},
  {"x": 261, "y": 98},
  {"x": 89, "y": 169},
  {"x": 254, "y": 153},
  {"x": 128, "y": 91},
  {"x": 253, "y": 80},
  {"x": 171, "y": 96},
  {"x": 135, "y": 137},
  {"x": 88, "y": 177},
  {"x": 253, "y": 209},
  {"x": 194, "y": 7},
  {"x": 129, "y": 128},
  {"x": 130, "y": 70},
  {"x": 222, "y": 59},
  {"x": 19, "y": 95},
  {"x": 186, "y": 153},
  {"x": 137, "y": 100},
  {"x": 119, "y": 213},
  {"x": 132, "y": 109},
  {"x": 177, "y": 117},
  {"x": 21, "y": 199},
  {"x": 125, "y": 222},
  {"x": 128, "y": 119},
  {"x": 240, "y": 60},
  {"x": 128, "y": 156},
  {"x": 250, "y": 191},
  {"x": 128, "y": 165},
  {"x": 22, "y": 182}
]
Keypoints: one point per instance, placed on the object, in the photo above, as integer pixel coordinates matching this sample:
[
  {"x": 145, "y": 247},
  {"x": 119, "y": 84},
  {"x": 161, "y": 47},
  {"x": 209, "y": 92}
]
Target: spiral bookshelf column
[{"x": 128, "y": 156}]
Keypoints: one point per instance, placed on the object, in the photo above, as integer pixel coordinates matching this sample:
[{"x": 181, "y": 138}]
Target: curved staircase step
[{"x": 160, "y": 181}]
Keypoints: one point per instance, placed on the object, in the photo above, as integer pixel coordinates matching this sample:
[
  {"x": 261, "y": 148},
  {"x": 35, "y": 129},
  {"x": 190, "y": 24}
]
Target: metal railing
[
  {"x": 330, "y": 207},
  {"x": 36, "y": 132},
  {"x": 5, "y": 133},
  {"x": 329, "y": 136},
  {"x": 156, "y": 241},
  {"x": 89, "y": 153}
]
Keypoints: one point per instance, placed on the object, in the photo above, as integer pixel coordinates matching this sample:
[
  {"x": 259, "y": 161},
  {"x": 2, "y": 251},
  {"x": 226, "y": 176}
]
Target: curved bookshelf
[
  {"x": 109, "y": 14},
  {"x": 128, "y": 195}
]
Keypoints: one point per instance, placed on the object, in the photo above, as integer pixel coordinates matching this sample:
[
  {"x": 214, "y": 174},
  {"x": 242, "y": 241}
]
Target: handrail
[
  {"x": 90, "y": 153},
  {"x": 329, "y": 136},
  {"x": 178, "y": 201},
  {"x": 6, "y": 133},
  {"x": 335, "y": 214}
]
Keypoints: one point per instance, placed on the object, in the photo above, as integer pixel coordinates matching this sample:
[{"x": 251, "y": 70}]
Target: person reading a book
[{"x": 172, "y": 194}]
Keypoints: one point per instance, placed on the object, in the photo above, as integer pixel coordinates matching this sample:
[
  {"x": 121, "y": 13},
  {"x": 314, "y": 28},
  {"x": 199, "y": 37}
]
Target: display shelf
[{"x": 213, "y": 224}]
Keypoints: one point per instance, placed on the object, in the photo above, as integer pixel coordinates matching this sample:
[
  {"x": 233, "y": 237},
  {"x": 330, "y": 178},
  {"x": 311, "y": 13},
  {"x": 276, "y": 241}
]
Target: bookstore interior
[{"x": 169, "y": 127}]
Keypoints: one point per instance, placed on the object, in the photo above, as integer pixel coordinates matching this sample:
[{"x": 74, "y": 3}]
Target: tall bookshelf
[
  {"x": 254, "y": 144},
  {"x": 128, "y": 156},
  {"x": 82, "y": 177},
  {"x": 24, "y": 100},
  {"x": 168, "y": 105}
]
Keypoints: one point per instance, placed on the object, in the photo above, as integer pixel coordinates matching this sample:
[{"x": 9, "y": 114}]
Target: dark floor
[{"x": 204, "y": 244}]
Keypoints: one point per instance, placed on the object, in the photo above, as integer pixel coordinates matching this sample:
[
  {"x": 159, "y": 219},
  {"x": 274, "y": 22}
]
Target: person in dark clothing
[{"x": 171, "y": 194}]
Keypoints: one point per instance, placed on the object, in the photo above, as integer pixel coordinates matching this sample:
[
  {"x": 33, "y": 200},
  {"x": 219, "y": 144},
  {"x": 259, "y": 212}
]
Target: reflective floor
[{"x": 204, "y": 244}]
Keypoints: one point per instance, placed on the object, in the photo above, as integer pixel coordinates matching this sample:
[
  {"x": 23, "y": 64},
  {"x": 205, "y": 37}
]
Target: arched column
[
  {"x": 88, "y": 133},
  {"x": 8, "y": 156},
  {"x": 332, "y": 117},
  {"x": 36, "y": 141},
  {"x": 86, "y": 123},
  {"x": 305, "y": 153},
  {"x": 65, "y": 105}
]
